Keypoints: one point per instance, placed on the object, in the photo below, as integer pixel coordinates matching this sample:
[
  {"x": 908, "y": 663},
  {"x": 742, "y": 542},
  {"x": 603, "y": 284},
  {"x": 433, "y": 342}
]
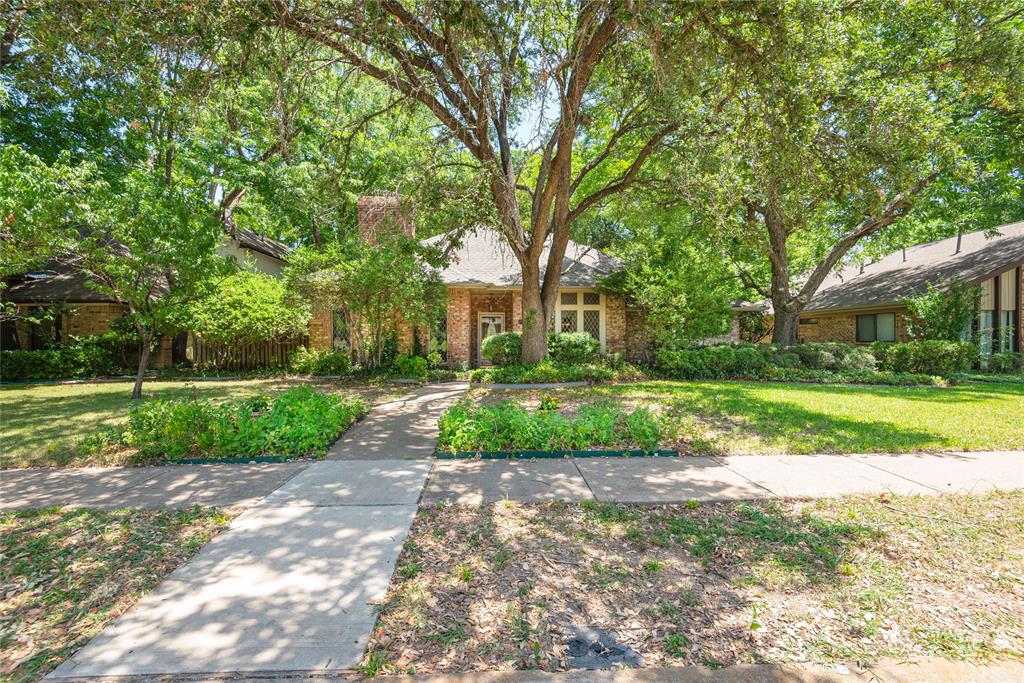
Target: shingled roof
[
  {"x": 894, "y": 278},
  {"x": 483, "y": 259}
]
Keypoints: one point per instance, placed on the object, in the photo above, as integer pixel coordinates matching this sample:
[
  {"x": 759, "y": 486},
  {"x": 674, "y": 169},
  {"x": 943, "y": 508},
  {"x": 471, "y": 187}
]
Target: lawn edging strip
[
  {"x": 534, "y": 385},
  {"x": 526, "y": 455}
]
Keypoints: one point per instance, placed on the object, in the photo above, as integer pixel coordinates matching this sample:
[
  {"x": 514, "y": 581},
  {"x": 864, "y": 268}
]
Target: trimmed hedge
[
  {"x": 548, "y": 371},
  {"x": 509, "y": 426},
  {"x": 94, "y": 356},
  {"x": 573, "y": 348},
  {"x": 826, "y": 362},
  {"x": 318, "y": 363},
  {"x": 503, "y": 349},
  {"x": 929, "y": 357},
  {"x": 300, "y": 421}
]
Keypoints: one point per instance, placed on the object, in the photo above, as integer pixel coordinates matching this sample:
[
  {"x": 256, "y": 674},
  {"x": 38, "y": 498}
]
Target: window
[
  {"x": 808, "y": 321},
  {"x": 439, "y": 337},
  {"x": 340, "y": 340},
  {"x": 581, "y": 311},
  {"x": 876, "y": 327}
]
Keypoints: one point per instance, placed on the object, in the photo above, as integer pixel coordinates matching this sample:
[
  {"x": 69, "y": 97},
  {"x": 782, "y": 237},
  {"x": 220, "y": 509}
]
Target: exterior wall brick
[
  {"x": 486, "y": 303},
  {"x": 91, "y": 319},
  {"x": 321, "y": 330},
  {"x": 517, "y": 311},
  {"x": 637, "y": 339},
  {"x": 384, "y": 212},
  {"x": 842, "y": 327},
  {"x": 459, "y": 326},
  {"x": 614, "y": 324},
  {"x": 404, "y": 333}
]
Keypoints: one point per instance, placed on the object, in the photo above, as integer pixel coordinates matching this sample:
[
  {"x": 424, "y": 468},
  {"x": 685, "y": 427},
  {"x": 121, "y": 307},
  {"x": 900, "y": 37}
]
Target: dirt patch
[{"x": 511, "y": 586}]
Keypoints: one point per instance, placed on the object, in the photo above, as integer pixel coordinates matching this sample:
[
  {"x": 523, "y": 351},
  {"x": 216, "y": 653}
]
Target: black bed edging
[{"x": 506, "y": 455}]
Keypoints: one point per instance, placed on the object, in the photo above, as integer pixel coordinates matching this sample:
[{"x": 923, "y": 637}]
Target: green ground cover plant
[
  {"x": 509, "y": 426},
  {"x": 93, "y": 356},
  {"x": 298, "y": 422},
  {"x": 66, "y": 574},
  {"x": 43, "y": 425}
]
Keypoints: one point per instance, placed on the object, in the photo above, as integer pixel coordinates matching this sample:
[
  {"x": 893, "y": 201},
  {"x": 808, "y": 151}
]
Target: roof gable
[
  {"x": 483, "y": 259},
  {"x": 894, "y": 278}
]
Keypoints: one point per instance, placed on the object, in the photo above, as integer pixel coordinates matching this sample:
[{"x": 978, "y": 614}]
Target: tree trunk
[
  {"x": 147, "y": 339},
  {"x": 535, "y": 324},
  {"x": 786, "y": 319}
]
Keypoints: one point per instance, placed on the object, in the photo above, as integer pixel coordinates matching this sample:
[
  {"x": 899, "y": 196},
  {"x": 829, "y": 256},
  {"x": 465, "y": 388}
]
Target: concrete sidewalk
[
  {"x": 677, "y": 480},
  {"x": 172, "y": 486},
  {"x": 292, "y": 583}
]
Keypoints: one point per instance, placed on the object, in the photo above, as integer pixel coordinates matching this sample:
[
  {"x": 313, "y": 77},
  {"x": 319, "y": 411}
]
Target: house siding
[
  {"x": 615, "y": 324},
  {"x": 458, "y": 327}
]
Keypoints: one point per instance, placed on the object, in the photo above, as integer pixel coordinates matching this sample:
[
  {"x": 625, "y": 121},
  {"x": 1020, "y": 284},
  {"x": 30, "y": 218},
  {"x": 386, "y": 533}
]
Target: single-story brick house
[
  {"x": 484, "y": 289},
  {"x": 859, "y": 305},
  {"x": 92, "y": 312}
]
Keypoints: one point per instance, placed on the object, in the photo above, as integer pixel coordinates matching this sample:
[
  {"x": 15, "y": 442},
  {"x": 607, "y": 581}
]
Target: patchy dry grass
[
  {"x": 41, "y": 424},
  {"x": 733, "y": 418},
  {"x": 856, "y": 579},
  {"x": 65, "y": 574}
]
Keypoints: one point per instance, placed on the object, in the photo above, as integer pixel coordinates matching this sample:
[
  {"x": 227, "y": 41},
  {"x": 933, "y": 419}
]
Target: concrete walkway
[
  {"x": 172, "y": 486},
  {"x": 677, "y": 480},
  {"x": 402, "y": 429},
  {"x": 291, "y": 584}
]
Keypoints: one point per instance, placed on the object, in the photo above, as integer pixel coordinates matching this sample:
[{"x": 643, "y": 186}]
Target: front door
[{"x": 490, "y": 325}]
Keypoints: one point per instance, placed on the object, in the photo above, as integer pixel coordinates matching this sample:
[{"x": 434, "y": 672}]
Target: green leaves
[{"x": 248, "y": 307}]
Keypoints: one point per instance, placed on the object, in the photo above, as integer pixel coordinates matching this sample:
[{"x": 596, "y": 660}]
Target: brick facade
[
  {"x": 517, "y": 311},
  {"x": 637, "y": 341},
  {"x": 614, "y": 324},
  {"x": 459, "y": 327},
  {"x": 842, "y": 327},
  {"x": 384, "y": 212},
  {"x": 321, "y": 330}
]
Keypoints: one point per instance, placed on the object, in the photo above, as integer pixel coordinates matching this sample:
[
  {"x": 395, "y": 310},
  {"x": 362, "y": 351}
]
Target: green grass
[
  {"x": 40, "y": 424},
  {"x": 755, "y": 417},
  {"x": 66, "y": 574}
]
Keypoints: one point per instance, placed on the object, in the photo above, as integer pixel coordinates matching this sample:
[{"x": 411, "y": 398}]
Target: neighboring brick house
[
  {"x": 91, "y": 312},
  {"x": 861, "y": 305}
]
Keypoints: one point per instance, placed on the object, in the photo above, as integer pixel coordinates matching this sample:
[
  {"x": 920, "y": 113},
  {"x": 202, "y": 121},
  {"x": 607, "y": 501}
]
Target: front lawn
[
  {"x": 725, "y": 417},
  {"x": 40, "y": 424},
  {"x": 66, "y": 574},
  {"x": 505, "y": 586}
]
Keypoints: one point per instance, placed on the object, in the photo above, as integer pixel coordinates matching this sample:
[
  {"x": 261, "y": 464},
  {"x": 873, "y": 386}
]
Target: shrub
[
  {"x": 297, "y": 422},
  {"x": 508, "y": 426},
  {"x": 547, "y": 371},
  {"x": 320, "y": 363},
  {"x": 573, "y": 347},
  {"x": 410, "y": 366},
  {"x": 504, "y": 348},
  {"x": 929, "y": 357},
  {"x": 94, "y": 356},
  {"x": 1006, "y": 361},
  {"x": 435, "y": 360}
]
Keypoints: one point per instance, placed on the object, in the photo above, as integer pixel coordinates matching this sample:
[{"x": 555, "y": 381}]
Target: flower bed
[
  {"x": 508, "y": 426},
  {"x": 550, "y": 371},
  {"x": 299, "y": 422}
]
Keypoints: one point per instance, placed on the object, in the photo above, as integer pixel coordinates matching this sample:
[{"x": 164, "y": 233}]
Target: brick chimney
[{"x": 383, "y": 214}]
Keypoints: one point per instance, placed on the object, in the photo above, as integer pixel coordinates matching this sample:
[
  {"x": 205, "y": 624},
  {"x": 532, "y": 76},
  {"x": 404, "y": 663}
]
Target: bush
[
  {"x": 508, "y": 426},
  {"x": 95, "y": 356},
  {"x": 300, "y": 421},
  {"x": 503, "y": 349},
  {"x": 548, "y": 371},
  {"x": 928, "y": 357},
  {"x": 319, "y": 363},
  {"x": 410, "y": 366},
  {"x": 573, "y": 347},
  {"x": 1006, "y": 361},
  {"x": 899, "y": 379}
]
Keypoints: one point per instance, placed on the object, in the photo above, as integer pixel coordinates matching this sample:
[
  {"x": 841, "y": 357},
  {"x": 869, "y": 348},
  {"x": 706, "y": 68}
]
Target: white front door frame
[{"x": 480, "y": 332}]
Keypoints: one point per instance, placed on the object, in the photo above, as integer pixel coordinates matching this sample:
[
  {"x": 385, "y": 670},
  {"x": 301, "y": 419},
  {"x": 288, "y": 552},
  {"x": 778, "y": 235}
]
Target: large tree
[
  {"x": 848, "y": 115},
  {"x": 579, "y": 73}
]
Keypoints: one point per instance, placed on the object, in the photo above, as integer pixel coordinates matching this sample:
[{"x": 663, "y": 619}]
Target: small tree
[
  {"x": 153, "y": 248},
  {"x": 375, "y": 285},
  {"x": 247, "y": 307},
  {"x": 943, "y": 312}
]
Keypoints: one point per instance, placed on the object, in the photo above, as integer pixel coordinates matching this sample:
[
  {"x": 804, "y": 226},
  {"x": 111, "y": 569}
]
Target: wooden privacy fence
[{"x": 243, "y": 355}]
